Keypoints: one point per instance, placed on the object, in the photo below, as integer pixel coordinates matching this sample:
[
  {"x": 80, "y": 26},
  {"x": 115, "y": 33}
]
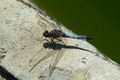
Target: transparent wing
[
  {"x": 59, "y": 53},
  {"x": 56, "y": 55},
  {"x": 56, "y": 58},
  {"x": 51, "y": 21},
  {"x": 39, "y": 57}
]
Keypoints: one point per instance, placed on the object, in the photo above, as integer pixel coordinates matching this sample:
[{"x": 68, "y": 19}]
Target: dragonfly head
[{"x": 45, "y": 34}]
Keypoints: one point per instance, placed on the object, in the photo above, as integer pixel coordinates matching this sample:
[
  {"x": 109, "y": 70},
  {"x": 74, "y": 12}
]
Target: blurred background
[{"x": 97, "y": 18}]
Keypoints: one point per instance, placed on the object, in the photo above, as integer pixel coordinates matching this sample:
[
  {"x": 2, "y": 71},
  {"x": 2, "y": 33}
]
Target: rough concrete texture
[
  {"x": 1, "y": 78},
  {"x": 27, "y": 57}
]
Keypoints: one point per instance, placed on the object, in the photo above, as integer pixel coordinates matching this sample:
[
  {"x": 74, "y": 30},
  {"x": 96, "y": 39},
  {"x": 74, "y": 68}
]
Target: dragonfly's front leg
[
  {"x": 59, "y": 40},
  {"x": 46, "y": 40}
]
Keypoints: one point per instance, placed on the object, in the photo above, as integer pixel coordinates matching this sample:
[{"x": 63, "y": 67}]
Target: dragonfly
[{"x": 56, "y": 34}]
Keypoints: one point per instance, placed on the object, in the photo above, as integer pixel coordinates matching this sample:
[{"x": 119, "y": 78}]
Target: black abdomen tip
[{"x": 89, "y": 38}]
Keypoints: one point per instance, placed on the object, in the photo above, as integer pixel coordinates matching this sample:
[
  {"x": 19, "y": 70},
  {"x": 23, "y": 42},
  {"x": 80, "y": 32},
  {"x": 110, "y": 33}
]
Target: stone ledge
[{"x": 21, "y": 30}]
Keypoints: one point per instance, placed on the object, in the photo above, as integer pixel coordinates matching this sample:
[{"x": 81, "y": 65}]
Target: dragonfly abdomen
[{"x": 74, "y": 36}]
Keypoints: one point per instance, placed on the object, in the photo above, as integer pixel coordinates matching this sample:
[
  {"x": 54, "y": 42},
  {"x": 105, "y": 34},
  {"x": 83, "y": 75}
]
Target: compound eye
[{"x": 45, "y": 33}]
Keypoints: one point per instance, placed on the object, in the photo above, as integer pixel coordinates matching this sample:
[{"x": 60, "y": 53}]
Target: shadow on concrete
[
  {"x": 57, "y": 46},
  {"x": 6, "y": 75}
]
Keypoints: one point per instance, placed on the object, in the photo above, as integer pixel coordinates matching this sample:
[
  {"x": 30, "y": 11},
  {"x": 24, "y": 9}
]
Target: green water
[{"x": 97, "y": 18}]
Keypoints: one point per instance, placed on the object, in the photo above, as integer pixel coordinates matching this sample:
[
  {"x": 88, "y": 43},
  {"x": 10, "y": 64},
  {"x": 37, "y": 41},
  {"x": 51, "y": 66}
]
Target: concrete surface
[{"x": 27, "y": 57}]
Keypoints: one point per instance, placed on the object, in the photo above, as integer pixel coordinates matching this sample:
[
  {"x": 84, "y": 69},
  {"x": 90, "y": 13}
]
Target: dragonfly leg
[
  {"x": 52, "y": 40},
  {"x": 60, "y": 41},
  {"x": 46, "y": 40}
]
